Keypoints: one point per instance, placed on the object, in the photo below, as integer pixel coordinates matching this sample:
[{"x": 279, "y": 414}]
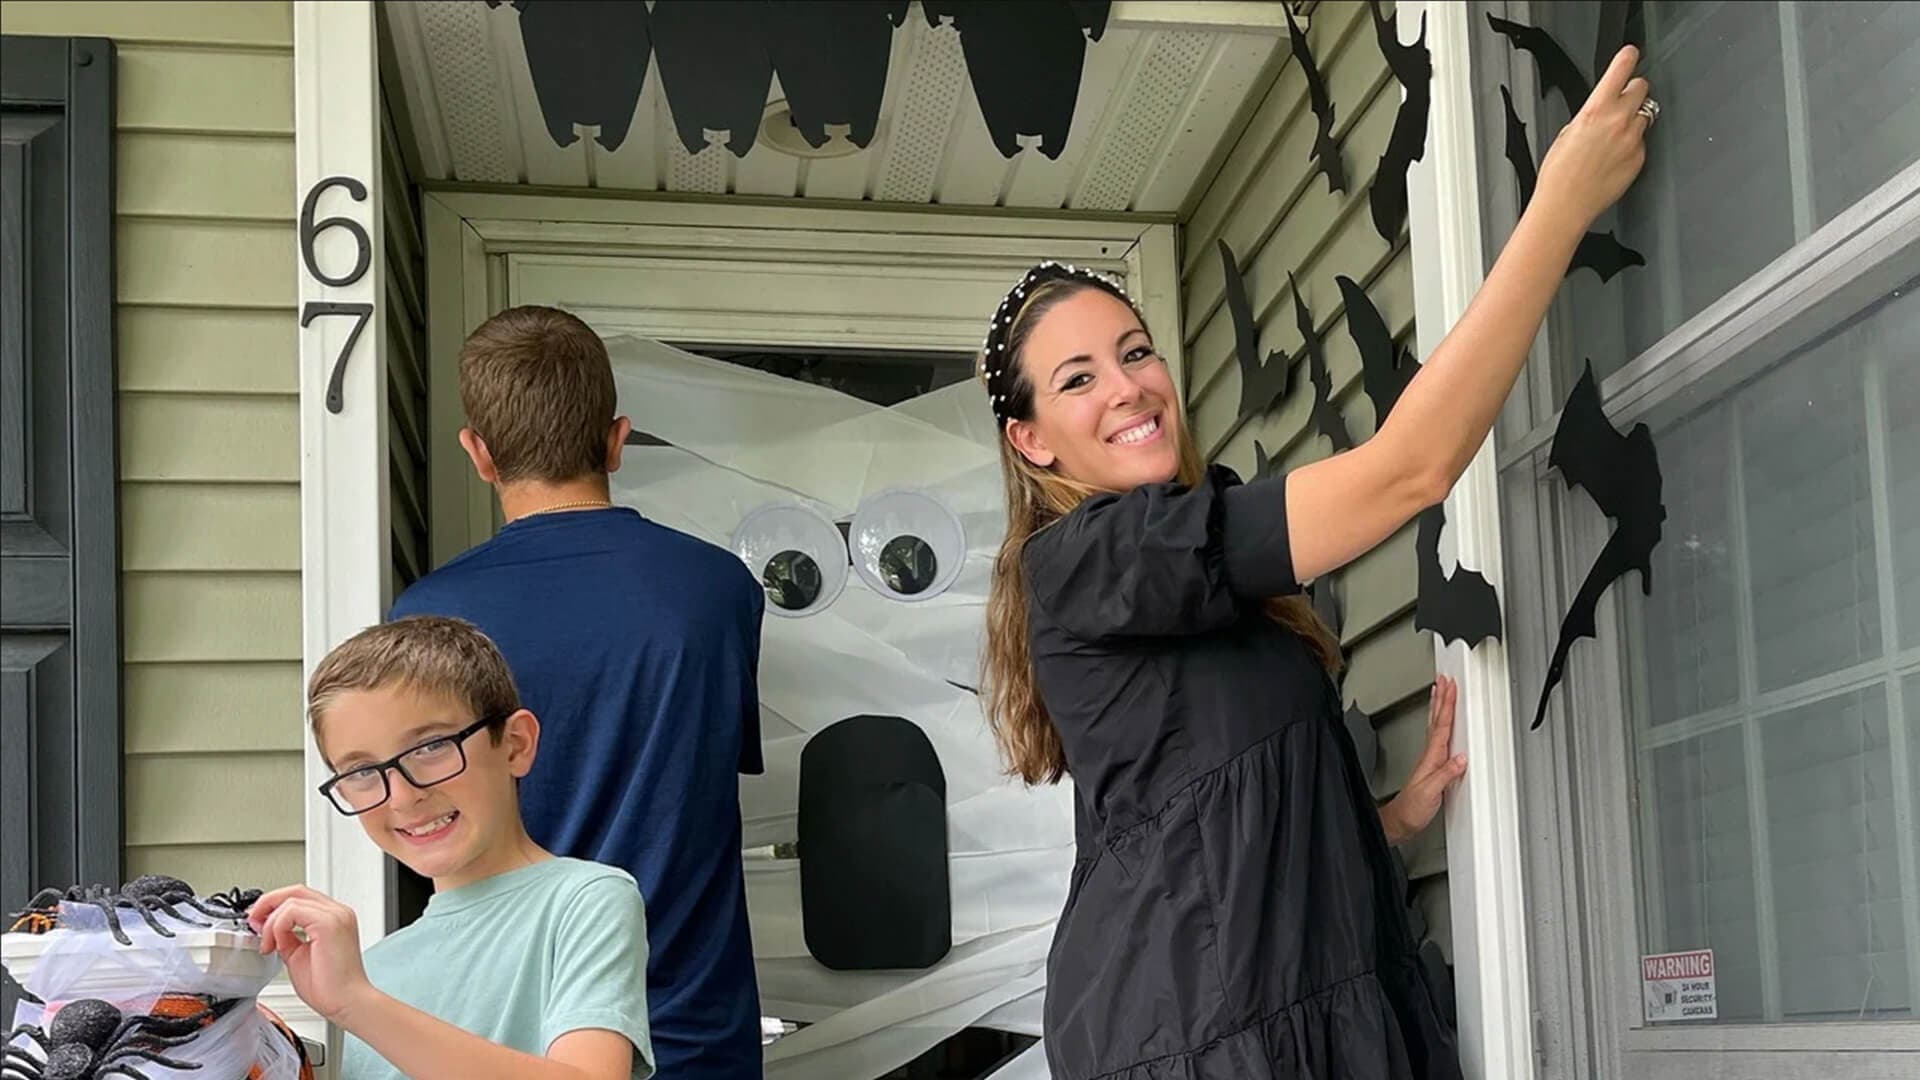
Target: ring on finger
[{"x": 1649, "y": 109}]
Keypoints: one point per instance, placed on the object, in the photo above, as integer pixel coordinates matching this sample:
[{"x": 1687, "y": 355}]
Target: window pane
[
  {"x": 1831, "y": 832},
  {"x": 1694, "y": 664},
  {"x": 1704, "y": 858},
  {"x": 1775, "y": 118},
  {"x": 1900, "y": 398},
  {"x": 1809, "y": 511}
]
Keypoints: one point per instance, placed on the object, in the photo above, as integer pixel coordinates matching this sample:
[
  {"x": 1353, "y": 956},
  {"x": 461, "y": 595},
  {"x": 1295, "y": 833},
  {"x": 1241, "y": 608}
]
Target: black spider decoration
[
  {"x": 145, "y": 895},
  {"x": 89, "y": 1038}
]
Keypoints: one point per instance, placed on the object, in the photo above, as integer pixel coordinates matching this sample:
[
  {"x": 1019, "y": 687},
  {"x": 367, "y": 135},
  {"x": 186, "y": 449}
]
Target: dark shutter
[{"x": 60, "y": 776}]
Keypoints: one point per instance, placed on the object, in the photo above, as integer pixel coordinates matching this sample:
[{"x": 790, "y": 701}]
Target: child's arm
[{"x": 319, "y": 939}]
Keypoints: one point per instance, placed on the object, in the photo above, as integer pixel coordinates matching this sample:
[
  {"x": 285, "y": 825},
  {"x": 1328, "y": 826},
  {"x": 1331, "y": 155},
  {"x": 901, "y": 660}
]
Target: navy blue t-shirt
[{"x": 637, "y": 647}]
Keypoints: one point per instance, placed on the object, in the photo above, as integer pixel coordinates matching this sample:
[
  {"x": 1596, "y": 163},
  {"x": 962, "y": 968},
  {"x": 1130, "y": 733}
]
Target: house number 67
[{"x": 310, "y": 230}]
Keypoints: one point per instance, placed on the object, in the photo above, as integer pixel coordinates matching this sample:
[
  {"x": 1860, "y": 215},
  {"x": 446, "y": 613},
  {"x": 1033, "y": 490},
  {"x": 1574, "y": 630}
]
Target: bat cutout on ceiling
[
  {"x": 1558, "y": 73},
  {"x": 1600, "y": 252},
  {"x": 588, "y": 62},
  {"x": 1413, "y": 66},
  {"x": 1460, "y": 607},
  {"x": 714, "y": 69},
  {"x": 831, "y": 57},
  {"x": 1326, "y": 419},
  {"x": 1261, "y": 384},
  {"x": 1622, "y": 23},
  {"x": 1024, "y": 61},
  {"x": 1326, "y": 149},
  {"x": 1622, "y": 474}
]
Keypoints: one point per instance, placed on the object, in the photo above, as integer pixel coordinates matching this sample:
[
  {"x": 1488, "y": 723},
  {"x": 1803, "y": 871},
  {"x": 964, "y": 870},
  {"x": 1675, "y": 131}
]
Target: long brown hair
[{"x": 1036, "y": 498}]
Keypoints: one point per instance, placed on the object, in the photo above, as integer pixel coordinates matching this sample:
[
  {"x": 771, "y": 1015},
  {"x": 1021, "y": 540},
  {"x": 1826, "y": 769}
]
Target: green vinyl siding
[
  {"x": 209, "y": 431},
  {"x": 1277, "y": 214}
]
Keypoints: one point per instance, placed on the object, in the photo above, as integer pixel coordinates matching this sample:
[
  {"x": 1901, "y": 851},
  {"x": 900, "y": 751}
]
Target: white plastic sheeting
[{"x": 741, "y": 439}]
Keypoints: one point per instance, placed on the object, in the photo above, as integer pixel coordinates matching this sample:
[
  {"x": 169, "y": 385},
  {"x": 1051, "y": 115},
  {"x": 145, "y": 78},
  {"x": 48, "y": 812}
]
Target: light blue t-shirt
[{"x": 521, "y": 959}]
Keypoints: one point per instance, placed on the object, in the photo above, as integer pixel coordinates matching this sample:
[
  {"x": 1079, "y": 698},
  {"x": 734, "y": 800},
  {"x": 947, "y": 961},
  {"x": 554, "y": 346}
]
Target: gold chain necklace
[{"x": 584, "y": 504}]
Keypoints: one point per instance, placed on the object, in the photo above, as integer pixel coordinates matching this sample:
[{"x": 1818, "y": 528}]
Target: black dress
[{"x": 1232, "y": 910}]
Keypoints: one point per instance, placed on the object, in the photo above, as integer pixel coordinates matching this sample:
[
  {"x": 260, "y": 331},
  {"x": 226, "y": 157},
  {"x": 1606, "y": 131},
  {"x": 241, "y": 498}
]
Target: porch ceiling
[{"x": 1160, "y": 92}]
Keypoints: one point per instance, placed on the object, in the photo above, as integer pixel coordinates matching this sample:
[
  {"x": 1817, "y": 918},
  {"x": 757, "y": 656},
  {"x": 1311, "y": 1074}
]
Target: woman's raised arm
[{"x": 1339, "y": 508}]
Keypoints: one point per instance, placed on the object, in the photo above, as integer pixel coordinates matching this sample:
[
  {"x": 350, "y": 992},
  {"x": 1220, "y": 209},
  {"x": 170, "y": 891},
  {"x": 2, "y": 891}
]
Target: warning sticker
[{"x": 1679, "y": 986}]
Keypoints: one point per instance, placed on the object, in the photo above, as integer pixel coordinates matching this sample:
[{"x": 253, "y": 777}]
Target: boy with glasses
[{"x": 524, "y": 965}]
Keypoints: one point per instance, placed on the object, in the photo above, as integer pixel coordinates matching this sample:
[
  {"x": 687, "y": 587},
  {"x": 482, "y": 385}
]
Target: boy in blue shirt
[
  {"x": 638, "y": 648},
  {"x": 524, "y": 965}
]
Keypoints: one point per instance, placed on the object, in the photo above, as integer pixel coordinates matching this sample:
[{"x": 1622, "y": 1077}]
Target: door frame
[{"x": 475, "y": 241}]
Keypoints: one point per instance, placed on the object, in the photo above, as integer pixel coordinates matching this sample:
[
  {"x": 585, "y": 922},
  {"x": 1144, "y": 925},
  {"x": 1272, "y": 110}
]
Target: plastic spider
[
  {"x": 145, "y": 894},
  {"x": 89, "y": 1039}
]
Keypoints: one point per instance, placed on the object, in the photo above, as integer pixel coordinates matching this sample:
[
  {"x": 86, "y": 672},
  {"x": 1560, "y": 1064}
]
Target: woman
[{"x": 1231, "y": 911}]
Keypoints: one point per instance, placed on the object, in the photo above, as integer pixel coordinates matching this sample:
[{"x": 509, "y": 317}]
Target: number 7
[{"x": 317, "y": 308}]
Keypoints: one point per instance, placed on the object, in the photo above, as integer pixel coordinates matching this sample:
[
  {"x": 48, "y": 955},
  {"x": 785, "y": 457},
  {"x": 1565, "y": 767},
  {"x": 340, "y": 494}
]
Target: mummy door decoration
[
  {"x": 899, "y": 511},
  {"x": 717, "y": 60}
]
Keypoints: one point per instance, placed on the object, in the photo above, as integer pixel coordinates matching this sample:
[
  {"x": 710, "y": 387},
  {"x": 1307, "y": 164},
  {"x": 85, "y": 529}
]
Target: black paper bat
[
  {"x": 1263, "y": 466},
  {"x": 1622, "y": 473},
  {"x": 588, "y": 63},
  {"x": 1600, "y": 252},
  {"x": 1385, "y": 370},
  {"x": 831, "y": 57},
  {"x": 714, "y": 68},
  {"x": 1260, "y": 384},
  {"x": 1326, "y": 149},
  {"x": 1463, "y": 607},
  {"x": 1326, "y": 419},
  {"x": 1413, "y": 66},
  {"x": 1557, "y": 70},
  {"x": 1025, "y": 61},
  {"x": 1622, "y": 23}
]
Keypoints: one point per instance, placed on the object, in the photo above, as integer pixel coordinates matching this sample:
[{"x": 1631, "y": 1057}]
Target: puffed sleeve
[{"x": 1163, "y": 559}]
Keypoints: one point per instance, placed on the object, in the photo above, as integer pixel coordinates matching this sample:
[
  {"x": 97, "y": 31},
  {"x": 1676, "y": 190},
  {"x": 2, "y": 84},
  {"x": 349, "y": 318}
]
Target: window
[{"x": 1735, "y": 764}]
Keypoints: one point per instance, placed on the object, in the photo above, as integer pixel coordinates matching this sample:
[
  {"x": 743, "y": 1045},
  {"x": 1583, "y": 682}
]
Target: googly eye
[
  {"x": 797, "y": 554},
  {"x": 906, "y": 545}
]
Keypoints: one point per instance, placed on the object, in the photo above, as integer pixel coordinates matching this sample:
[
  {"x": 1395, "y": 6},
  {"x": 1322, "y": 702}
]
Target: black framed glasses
[{"x": 435, "y": 761}]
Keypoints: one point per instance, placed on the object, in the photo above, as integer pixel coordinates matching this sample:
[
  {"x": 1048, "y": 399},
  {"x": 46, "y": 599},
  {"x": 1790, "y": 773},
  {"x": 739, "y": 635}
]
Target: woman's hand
[
  {"x": 1600, "y": 151},
  {"x": 319, "y": 939},
  {"x": 1419, "y": 800}
]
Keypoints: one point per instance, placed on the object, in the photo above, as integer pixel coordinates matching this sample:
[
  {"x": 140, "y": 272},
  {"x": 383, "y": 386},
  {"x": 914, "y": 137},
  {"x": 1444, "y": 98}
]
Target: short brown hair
[
  {"x": 428, "y": 654},
  {"x": 537, "y": 388}
]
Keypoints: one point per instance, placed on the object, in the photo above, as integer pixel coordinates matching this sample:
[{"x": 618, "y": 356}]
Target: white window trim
[
  {"x": 343, "y": 457},
  {"x": 1485, "y": 857},
  {"x": 1586, "y": 925}
]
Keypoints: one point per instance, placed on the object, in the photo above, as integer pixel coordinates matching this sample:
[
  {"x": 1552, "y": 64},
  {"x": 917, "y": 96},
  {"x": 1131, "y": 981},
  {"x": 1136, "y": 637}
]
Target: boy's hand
[{"x": 319, "y": 940}]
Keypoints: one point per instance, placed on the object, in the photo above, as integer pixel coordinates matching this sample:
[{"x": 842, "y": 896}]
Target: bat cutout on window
[
  {"x": 1326, "y": 149},
  {"x": 1558, "y": 73},
  {"x": 1622, "y": 23},
  {"x": 1622, "y": 474},
  {"x": 1602, "y": 253},
  {"x": 1460, "y": 607},
  {"x": 1413, "y": 66},
  {"x": 1326, "y": 419},
  {"x": 1261, "y": 384}
]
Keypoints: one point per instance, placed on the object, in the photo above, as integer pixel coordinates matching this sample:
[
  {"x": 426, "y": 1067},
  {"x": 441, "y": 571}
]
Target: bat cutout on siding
[
  {"x": 1325, "y": 597},
  {"x": 1261, "y": 384},
  {"x": 1462, "y": 606},
  {"x": 588, "y": 62},
  {"x": 1024, "y": 61},
  {"x": 1602, "y": 253},
  {"x": 1326, "y": 149},
  {"x": 1413, "y": 66},
  {"x": 1326, "y": 419},
  {"x": 831, "y": 57},
  {"x": 1622, "y": 474}
]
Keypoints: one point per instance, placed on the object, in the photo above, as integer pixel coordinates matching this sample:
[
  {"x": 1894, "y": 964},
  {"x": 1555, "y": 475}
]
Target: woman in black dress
[{"x": 1231, "y": 913}]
